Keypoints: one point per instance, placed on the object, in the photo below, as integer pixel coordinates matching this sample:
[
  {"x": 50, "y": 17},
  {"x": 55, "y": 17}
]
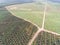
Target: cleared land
[
  {"x": 33, "y": 13},
  {"x": 27, "y": 12},
  {"x": 17, "y": 31}
]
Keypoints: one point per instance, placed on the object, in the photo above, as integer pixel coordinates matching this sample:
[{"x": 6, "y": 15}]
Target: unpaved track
[
  {"x": 42, "y": 28},
  {"x": 39, "y": 29},
  {"x": 22, "y": 18},
  {"x": 34, "y": 37}
]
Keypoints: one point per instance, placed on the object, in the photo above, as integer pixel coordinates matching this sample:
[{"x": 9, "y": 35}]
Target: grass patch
[
  {"x": 52, "y": 22},
  {"x": 35, "y": 17}
]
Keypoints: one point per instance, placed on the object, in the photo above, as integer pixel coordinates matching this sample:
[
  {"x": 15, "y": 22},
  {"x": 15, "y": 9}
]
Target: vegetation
[
  {"x": 45, "y": 38},
  {"x": 52, "y": 22},
  {"x": 15, "y": 31}
]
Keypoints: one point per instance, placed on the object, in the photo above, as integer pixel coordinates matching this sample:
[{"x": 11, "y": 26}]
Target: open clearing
[
  {"x": 14, "y": 30},
  {"x": 33, "y": 13}
]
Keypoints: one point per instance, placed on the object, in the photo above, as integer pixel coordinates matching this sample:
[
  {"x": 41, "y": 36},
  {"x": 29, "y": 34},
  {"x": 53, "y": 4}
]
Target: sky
[
  {"x": 55, "y": 1},
  {"x": 7, "y": 1}
]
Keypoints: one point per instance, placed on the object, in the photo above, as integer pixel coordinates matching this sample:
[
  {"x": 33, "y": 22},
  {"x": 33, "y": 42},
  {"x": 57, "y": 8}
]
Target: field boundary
[
  {"x": 23, "y": 18},
  {"x": 38, "y": 31}
]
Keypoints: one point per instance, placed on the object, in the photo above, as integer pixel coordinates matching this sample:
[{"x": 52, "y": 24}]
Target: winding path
[{"x": 39, "y": 29}]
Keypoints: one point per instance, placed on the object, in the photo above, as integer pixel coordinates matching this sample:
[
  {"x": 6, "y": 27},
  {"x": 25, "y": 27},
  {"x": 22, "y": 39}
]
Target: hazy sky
[
  {"x": 7, "y": 1},
  {"x": 48, "y": 0},
  {"x": 34, "y": 0}
]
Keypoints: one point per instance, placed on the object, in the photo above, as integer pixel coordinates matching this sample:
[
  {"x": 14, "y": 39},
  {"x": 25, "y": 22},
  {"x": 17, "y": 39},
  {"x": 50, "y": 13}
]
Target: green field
[
  {"x": 34, "y": 17},
  {"x": 14, "y": 30},
  {"x": 52, "y": 22}
]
